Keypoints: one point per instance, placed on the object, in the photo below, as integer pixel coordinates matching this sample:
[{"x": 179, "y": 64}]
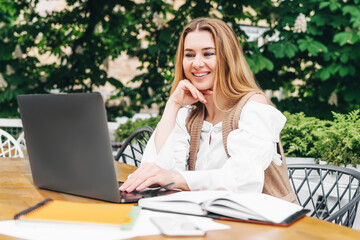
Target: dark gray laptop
[
  {"x": 69, "y": 149},
  {"x": 68, "y": 144}
]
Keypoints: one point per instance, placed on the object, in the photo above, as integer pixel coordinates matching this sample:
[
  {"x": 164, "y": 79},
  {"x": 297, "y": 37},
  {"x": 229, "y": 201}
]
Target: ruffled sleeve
[
  {"x": 174, "y": 154},
  {"x": 251, "y": 147}
]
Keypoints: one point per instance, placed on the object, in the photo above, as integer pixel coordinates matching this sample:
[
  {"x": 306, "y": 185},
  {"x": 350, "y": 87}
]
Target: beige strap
[{"x": 194, "y": 127}]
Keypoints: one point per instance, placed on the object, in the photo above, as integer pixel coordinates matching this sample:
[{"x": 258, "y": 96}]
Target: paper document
[{"x": 60, "y": 231}]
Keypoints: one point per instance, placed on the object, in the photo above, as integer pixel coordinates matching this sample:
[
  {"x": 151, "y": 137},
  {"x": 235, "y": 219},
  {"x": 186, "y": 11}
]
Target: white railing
[{"x": 14, "y": 128}]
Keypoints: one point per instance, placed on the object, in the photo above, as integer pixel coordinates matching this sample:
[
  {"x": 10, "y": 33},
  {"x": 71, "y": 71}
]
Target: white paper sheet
[{"x": 55, "y": 231}]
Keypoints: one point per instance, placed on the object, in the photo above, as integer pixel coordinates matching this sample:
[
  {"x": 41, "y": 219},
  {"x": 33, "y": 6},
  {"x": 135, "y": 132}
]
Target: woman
[{"x": 211, "y": 74}]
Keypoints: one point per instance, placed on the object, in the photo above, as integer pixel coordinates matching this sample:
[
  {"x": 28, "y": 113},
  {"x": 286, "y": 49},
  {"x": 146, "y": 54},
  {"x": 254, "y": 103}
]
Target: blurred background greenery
[{"x": 307, "y": 55}]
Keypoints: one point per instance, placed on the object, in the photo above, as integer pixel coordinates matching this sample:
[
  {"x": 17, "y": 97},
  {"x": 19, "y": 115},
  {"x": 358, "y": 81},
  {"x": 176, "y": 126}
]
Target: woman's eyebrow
[
  {"x": 204, "y": 49},
  {"x": 208, "y": 48}
]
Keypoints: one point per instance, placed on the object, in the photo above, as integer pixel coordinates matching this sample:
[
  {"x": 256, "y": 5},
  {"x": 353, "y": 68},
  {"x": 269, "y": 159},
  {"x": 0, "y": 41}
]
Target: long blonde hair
[{"x": 233, "y": 75}]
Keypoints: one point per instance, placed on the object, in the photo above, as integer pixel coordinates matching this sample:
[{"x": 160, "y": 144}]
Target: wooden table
[{"x": 17, "y": 193}]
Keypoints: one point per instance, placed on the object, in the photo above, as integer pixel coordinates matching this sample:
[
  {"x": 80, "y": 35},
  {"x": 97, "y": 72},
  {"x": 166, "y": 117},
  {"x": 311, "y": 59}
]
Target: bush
[
  {"x": 340, "y": 142},
  {"x": 300, "y": 134},
  {"x": 335, "y": 142},
  {"x": 124, "y": 130}
]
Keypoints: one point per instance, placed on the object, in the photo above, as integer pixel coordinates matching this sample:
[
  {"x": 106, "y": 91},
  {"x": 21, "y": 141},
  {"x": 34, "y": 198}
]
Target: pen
[
  {"x": 167, "y": 186},
  {"x": 155, "y": 192}
]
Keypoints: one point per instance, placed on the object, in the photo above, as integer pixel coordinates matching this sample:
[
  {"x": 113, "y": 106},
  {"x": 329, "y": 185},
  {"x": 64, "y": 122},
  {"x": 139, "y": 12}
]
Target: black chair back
[
  {"x": 133, "y": 148},
  {"x": 331, "y": 193}
]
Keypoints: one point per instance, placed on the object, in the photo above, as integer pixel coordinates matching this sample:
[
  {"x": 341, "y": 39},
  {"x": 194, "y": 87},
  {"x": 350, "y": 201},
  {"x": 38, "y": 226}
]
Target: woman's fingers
[
  {"x": 144, "y": 172},
  {"x": 135, "y": 176},
  {"x": 207, "y": 93},
  {"x": 146, "y": 176},
  {"x": 187, "y": 86}
]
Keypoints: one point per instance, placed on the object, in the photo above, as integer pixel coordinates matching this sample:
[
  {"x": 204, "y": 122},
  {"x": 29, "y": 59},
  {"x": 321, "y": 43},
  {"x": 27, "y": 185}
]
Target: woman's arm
[
  {"x": 184, "y": 94},
  {"x": 150, "y": 173}
]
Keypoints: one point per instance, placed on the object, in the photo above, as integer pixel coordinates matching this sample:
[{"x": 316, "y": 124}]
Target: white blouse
[{"x": 251, "y": 147}]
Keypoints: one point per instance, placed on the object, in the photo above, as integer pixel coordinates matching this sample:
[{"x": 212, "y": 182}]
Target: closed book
[
  {"x": 123, "y": 215},
  {"x": 244, "y": 207}
]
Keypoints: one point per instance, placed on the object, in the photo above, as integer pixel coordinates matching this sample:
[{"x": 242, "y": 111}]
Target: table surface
[{"x": 17, "y": 193}]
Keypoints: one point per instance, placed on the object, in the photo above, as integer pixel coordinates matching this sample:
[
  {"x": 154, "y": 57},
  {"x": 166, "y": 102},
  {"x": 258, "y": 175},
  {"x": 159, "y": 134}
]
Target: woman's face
[{"x": 199, "y": 61}]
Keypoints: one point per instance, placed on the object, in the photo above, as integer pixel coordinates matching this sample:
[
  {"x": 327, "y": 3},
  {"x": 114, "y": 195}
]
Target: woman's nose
[{"x": 198, "y": 61}]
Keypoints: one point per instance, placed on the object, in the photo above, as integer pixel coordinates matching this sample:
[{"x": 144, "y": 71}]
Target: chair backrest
[
  {"x": 331, "y": 193},
  {"x": 9, "y": 147},
  {"x": 21, "y": 140},
  {"x": 132, "y": 149}
]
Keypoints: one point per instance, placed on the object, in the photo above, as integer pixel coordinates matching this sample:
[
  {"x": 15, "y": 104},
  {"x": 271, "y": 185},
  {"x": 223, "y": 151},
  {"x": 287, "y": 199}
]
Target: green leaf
[
  {"x": 324, "y": 5},
  {"x": 303, "y": 44},
  {"x": 311, "y": 45},
  {"x": 115, "y": 82},
  {"x": 290, "y": 50},
  {"x": 268, "y": 64},
  {"x": 278, "y": 50},
  {"x": 342, "y": 38},
  {"x": 344, "y": 58},
  {"x": 324, "y": 74},
  {"x": 352, "y": 10},
  {"x": 153, "y": 49},
  {"x": 334, "y": 5},
  {"x": 354, "y": 38},
  {"x": 343, "y": 71},
  {"x": 320, "y": 46},
  {"x": 318, "y": 20}
]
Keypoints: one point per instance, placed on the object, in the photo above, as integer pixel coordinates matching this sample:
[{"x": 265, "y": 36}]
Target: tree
[
  {"x": 81, "y": 38},
  {"x": 322, "y": 53},
  {"x": 319, "y": 44}
]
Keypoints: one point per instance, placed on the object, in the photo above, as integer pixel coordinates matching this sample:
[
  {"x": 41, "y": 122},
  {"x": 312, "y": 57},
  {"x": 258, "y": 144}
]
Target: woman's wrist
[
  {"x": 180, "y": 182},
  {"x": 173, "y": 104}
]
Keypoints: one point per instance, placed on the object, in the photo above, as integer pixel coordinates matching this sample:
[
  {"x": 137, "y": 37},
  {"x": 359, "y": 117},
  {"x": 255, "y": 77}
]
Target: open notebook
[{"x": 244, "y": 207}]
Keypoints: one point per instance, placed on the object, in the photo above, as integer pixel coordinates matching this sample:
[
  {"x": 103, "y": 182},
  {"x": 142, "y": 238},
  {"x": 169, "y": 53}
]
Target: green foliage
[
  {"x": 124, "y": 130},
  {"x": 80, "y": 39},
  {"x": 163, "y": 25},
  {"x": 340, "y": 142},
  {"x": 300, "y": 134},
  {"x": 335, "y": 142},
  {"x": 308, "y": 105},
  {"x": 324, "y": 56}
]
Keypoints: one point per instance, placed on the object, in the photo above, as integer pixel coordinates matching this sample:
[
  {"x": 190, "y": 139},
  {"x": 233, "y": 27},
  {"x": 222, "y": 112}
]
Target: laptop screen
[{"x": 68, "y": 144}]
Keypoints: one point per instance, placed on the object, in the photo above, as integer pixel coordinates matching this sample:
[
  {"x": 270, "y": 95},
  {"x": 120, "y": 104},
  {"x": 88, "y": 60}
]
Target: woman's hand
[
  {"x": 186, "y": 94},
  {"x": 149, "y": 174}
]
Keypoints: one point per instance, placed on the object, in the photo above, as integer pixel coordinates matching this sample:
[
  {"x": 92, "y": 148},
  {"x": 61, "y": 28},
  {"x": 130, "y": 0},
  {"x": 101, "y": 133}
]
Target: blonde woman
[{"x": 211, "y": 76}]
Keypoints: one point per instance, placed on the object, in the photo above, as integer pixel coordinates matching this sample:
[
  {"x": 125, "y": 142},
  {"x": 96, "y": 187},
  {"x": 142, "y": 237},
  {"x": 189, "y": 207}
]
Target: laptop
[{"x": 69, "y": 148}]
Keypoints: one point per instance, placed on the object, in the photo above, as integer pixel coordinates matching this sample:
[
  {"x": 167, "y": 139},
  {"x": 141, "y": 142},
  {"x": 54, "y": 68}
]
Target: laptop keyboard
[{"x": 134, "y": 196}]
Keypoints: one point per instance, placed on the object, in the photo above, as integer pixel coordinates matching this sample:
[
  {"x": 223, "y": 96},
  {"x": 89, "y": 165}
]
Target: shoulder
[
  {"x": 262, "y": 120},
  {"x": 260, "y": 98}
]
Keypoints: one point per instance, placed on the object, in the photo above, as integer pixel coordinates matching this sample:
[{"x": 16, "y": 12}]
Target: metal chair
[
  {"x": 331, "y": 193},
  {"x": 133, "y": 148},
  {"x": 9, "y": 147}
]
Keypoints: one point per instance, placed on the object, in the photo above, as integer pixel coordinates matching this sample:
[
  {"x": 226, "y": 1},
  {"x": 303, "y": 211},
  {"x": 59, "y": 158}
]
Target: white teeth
[{"x": 200, "y": 74}]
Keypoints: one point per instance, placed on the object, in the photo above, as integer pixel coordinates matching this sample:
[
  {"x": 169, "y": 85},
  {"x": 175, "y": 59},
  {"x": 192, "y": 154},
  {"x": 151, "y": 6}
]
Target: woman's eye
[
  {"x": 208, "y": 54},
  {"x": 189, "y": 55}
]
